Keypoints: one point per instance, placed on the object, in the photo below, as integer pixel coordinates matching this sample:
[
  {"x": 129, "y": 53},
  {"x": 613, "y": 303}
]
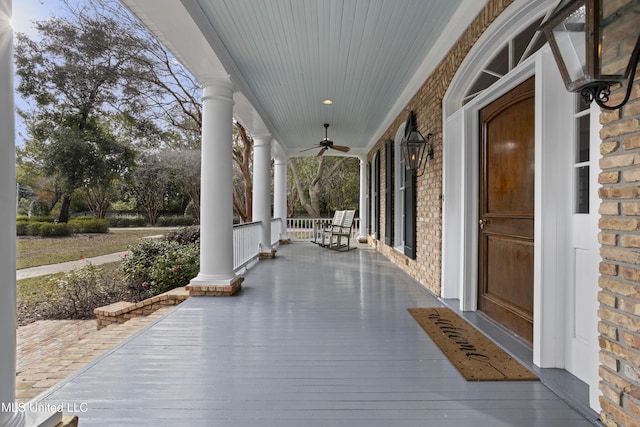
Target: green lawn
[{"x": 32, "y": 252}]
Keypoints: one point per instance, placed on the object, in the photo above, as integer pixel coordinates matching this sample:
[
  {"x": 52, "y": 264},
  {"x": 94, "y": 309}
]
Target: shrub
[
  {"x": 46, "y": 229},
  {"x": 84, "y": 290},
  {"x": 42, "y": 219},
  {"x": 38, "y": 208},
  {"x": 127, "y": 221},
  {"x": 42, "y": 229},
  {"x": 23, "y": 206},
  {"x": 82, "y": 218},
  {"x": 33, "y": 228},
  {"x": 89, "y": 225},
  {"x": 22, "y": 228},
  {"x": 159, "y": 266},
  {"x": 175, "y": 221},
  {"x": 185, "y": 235},
  {"x": 190, "y": 210}
]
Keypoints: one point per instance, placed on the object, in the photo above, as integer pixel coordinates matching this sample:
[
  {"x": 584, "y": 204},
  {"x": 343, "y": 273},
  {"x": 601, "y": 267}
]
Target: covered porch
[{"x": 315, "y": 337}]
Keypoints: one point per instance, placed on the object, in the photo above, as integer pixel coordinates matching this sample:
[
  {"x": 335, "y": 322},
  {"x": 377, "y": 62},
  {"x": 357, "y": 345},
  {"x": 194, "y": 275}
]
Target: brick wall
[
  {"x": 427, "y": 104},
  {"x": 619, "y": 296}
]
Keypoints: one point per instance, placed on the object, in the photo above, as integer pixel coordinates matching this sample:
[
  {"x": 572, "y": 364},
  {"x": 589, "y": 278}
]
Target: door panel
[
  {"x": 520, "y": 254},
  {"x": 507, "y": 210}
]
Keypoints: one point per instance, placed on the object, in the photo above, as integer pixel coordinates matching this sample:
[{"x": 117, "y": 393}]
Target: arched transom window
[{"x": 517, "y": 49}]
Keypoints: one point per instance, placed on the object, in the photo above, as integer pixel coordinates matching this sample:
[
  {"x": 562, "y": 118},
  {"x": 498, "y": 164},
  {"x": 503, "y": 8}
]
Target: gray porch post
[
  {"x": 216, "y": 276},
  {"x": 280, "y": 195},
  {"x": 9, "y": 416},
  {"x": 262, "y": 191},
  {"x": 364, "y": 211}
]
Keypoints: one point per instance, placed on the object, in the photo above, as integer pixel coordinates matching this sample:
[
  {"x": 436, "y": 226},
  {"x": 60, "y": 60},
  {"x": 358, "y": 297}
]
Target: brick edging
[
  {"x": 121, "y": 311},
  {"x": 215, "y": 290}
]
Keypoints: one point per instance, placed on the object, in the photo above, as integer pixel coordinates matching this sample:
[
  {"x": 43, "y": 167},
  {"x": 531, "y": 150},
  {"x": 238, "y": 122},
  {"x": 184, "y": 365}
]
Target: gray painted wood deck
[{"x": 316, "y": 338}]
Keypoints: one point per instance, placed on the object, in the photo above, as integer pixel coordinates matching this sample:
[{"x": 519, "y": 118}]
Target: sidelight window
[{"x": 581, "y": 156}]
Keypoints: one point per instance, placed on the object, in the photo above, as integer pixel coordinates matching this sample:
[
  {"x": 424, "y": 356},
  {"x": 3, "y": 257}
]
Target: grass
[
  {"x": 33, "y": 252},
  {"x": 34, "y": 296},
  {"x": 36, "y": 289}
]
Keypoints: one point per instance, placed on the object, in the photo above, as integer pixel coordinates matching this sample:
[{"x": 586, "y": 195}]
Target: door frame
[
  {"x": 398, "y": 191},
  {"x": 461, "y": 169}
]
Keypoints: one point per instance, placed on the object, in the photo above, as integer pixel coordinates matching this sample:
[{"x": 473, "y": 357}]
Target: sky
[
  {"x": 24, "y": 13},
  {"x": 27, "y": 11}
]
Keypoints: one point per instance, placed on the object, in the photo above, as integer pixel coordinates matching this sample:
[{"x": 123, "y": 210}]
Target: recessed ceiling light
[{"x": 327, "y": 102}]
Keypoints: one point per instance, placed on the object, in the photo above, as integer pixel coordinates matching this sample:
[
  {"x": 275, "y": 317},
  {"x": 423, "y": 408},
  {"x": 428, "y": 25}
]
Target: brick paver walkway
[
  {"x": 50, "y": 350},
  {"x": 48, "y": 338}
]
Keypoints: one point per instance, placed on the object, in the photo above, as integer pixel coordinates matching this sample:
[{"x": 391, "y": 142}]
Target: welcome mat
[{"x": 475, "y": 356}]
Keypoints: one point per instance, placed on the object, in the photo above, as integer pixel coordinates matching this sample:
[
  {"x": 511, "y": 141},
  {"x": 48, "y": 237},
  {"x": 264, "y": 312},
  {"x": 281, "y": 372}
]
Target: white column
[
  {"x": 280, "y": 194},
  {"x": 216, "y": 204},
  {"x": 7, "y": 223},
  {"x": 262, "y": 190},
  {"x": 364, "y": 206}
]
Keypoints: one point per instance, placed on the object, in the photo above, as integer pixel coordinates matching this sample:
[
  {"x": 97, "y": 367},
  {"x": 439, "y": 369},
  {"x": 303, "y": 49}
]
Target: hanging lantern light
[
  {"x": 596, "y": 44},
  {"x": 414, "y": 147}
]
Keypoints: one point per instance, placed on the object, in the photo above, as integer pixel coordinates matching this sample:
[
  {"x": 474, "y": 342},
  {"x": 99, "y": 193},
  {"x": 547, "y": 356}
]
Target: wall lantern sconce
[
  {"x": 596, "y": 44},
  {"x": 414, "y": 147}
]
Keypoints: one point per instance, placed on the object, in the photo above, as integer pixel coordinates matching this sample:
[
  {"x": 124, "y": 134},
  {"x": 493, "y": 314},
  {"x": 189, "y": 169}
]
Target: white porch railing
[
  {"x": 246, "y": 241},
  {"x": 246, "y": 237},
  {"x": 276, "y": 225},
  {"x": 246, "y": 244},
  {"x": 303, "y": 229}
]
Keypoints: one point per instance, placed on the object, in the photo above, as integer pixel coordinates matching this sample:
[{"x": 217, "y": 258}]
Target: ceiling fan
[{"x": 326, "y": 143}]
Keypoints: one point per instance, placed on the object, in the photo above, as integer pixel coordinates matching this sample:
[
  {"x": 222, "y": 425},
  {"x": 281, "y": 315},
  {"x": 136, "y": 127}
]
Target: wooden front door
[{"x": 505, "y": 288}]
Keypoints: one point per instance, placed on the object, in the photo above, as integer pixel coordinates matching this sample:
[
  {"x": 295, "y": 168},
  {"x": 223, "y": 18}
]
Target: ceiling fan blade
[
  {"x": 341, "y": 148},
  {"x": 322, "y": 151},
  {"x": 307, "y": 149}
]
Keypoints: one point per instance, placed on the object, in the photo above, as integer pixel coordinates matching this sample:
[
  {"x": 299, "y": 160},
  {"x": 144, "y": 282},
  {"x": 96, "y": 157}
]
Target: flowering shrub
[{"x": 155, "y": 266}]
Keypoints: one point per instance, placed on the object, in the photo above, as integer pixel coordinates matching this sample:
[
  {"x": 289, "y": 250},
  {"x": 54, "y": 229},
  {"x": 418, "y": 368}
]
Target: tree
[
  {"x": 292, "y": 197},
  {"x": 149, "y": 185},
  {"x": 110, "y": 160},
  {"x": 242, "y": 180},
  {"x": 173, "y": 95},
  {"x": 71, "y": 74},
  {"x": 101, "y": 61},
  {"x": 313, "y": 176},
  {"x": 185, "y": 171},
  {"x": 342, "y": 186},
  {"x": 30, "y": 173},
  {"x": 160, "y": 89}
]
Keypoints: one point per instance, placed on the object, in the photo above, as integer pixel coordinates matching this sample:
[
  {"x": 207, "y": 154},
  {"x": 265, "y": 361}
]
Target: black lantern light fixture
[
  {"x": 414, "y": 147},
  {"x": 596, "y": 44}
]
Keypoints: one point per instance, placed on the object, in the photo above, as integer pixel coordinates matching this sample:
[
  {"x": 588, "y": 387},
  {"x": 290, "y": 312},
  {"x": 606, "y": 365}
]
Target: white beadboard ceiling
[{"x": 287, "y": 56}]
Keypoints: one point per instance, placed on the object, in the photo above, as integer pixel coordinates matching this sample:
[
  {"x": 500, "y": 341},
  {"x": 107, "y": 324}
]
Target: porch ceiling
[{"x": 285, "y": 57}]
